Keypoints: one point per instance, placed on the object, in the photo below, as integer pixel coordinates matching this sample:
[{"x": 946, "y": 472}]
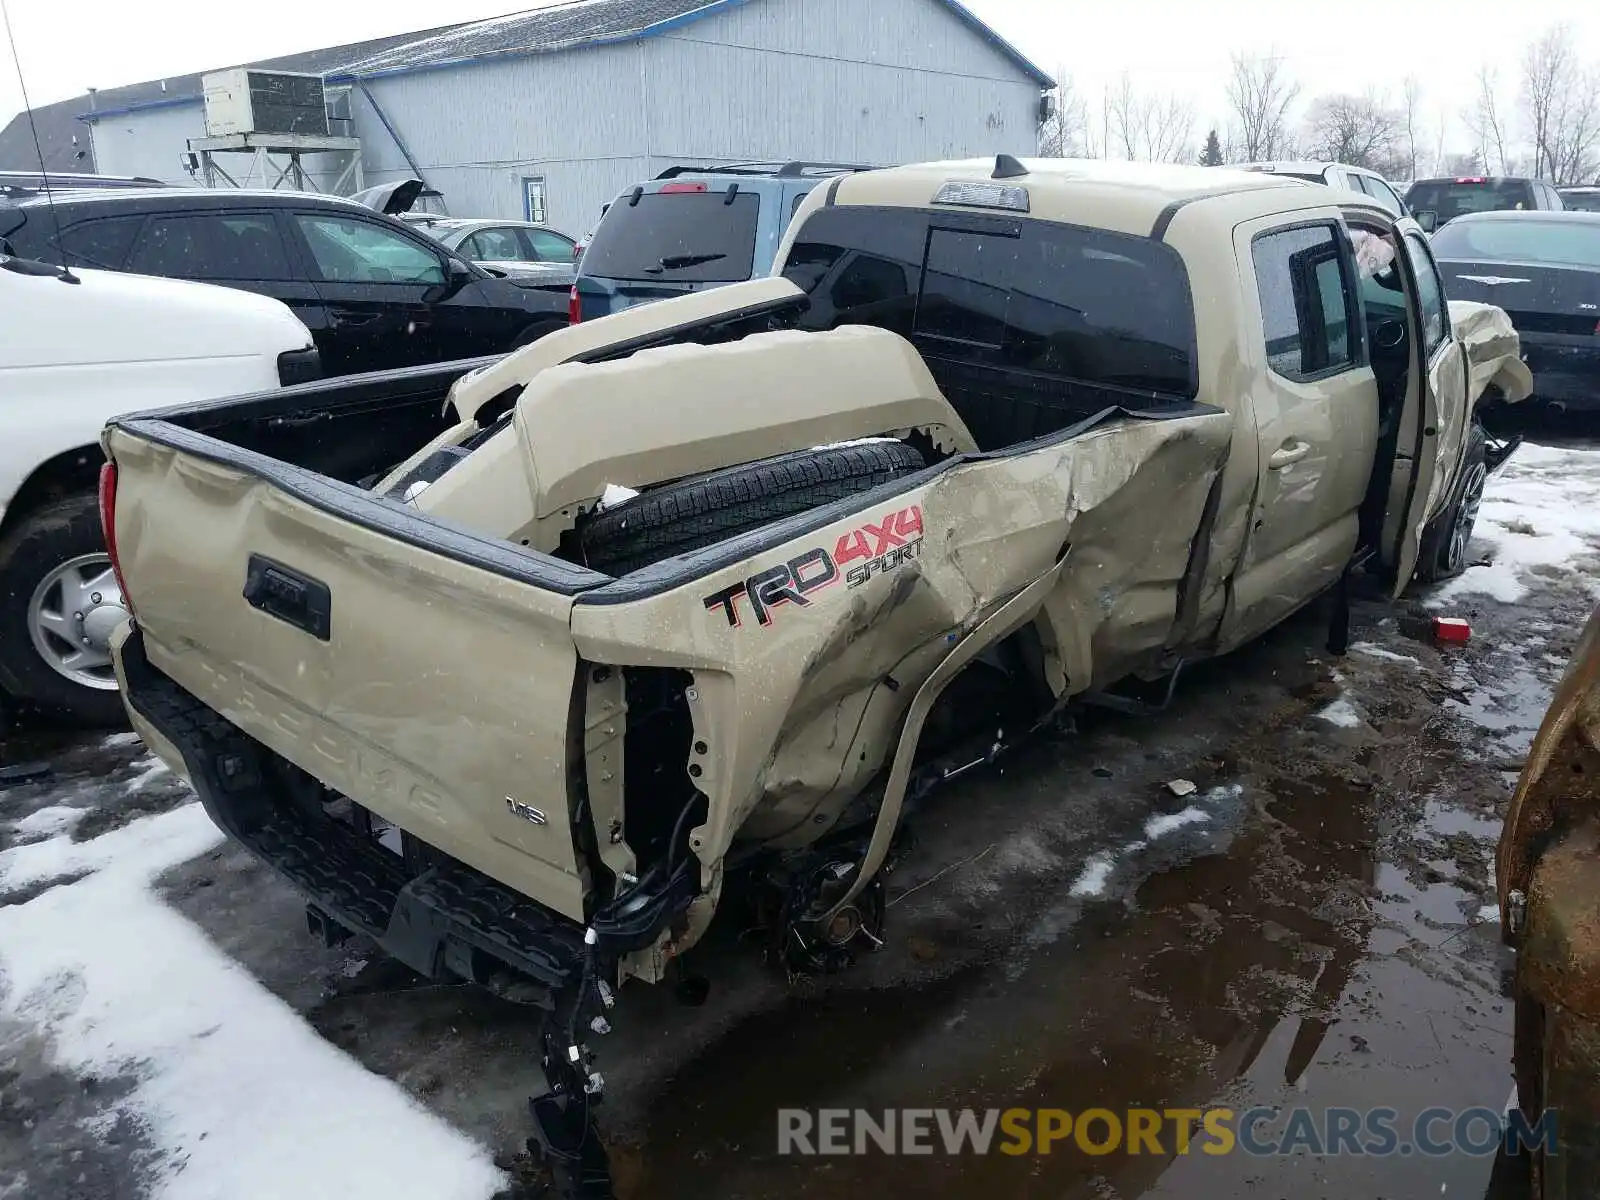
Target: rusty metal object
[
  {"x": 1560, "y": 784},
  {"x": 1559, "y": 951},
  {"x": 1548, "y": 871}
]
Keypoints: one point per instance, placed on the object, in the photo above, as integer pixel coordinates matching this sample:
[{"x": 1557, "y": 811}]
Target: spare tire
[{"x": 706, "y": 509}]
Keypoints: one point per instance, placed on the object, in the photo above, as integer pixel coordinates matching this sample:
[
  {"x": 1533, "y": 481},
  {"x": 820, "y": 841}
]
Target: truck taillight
[
  {"x": 1472, "y": 179},
  {"x": 574, "y": 306},
  {"x": 108, "y": 525},
  {"x": 670, "y": 189}
]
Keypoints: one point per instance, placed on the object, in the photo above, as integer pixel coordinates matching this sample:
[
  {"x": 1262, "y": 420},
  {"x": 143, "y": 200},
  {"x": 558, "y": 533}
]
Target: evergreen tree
[{"x": 1211, "y": 156}]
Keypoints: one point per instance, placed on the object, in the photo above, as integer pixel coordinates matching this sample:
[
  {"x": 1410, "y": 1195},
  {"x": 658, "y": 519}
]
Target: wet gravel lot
[{"x": 1312, "y": 926}]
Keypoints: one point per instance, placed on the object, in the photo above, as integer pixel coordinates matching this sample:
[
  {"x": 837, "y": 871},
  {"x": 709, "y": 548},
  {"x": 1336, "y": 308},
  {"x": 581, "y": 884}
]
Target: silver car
[{"x": 517, "y": 248}]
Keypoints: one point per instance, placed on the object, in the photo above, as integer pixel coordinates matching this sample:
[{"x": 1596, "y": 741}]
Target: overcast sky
[{"x": 1177, "y": 45}]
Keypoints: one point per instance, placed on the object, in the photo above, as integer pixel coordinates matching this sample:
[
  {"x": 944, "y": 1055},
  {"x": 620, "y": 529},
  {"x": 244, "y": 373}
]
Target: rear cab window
[
  {"x": 677, "y": 235},
  {"x": 1026, "y": 298}
]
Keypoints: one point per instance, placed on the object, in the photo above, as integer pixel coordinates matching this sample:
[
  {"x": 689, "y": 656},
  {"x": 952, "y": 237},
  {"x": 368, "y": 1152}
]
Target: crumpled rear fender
[{"x": 808, "y": 640}]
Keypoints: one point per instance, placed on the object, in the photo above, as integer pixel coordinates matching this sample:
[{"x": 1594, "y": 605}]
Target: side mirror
[
  {"x": 456, "y": 276},
  {"x": 1428, "y": 219}
]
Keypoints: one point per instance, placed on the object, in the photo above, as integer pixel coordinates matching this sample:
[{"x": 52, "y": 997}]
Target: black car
[
  {"x": 1581, "y": 199},
  {"x": 1543, "y": 268},
  {"x": 374, "y": 293},
  {"x": 1436, "y": 202}
]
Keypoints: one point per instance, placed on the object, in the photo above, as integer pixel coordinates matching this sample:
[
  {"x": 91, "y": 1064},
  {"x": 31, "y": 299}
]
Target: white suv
[
  {"x": 79, "y": 349},
  {"x": 1339, "y": 175}
]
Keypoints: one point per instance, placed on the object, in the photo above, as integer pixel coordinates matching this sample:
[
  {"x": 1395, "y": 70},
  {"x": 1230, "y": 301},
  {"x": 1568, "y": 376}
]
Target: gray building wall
[
  {"x": 836, "y": 80},
  {"x": 152, "y": 142}
]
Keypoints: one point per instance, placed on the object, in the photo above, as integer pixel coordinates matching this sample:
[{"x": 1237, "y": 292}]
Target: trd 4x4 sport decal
[{"x": 876, "y": 549}]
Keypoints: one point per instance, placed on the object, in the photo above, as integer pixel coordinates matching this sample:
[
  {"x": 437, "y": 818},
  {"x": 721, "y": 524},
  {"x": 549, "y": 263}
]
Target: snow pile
[
  {"x": 239, "y": 1095},
  {"x": 1541, "y": 511}
]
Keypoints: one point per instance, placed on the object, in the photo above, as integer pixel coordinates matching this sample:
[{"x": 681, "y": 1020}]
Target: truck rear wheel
[
  {"x": 59, "y": 604},
  {"x": 1445, "y": 541},
  {"x": 706, "y": 509}
]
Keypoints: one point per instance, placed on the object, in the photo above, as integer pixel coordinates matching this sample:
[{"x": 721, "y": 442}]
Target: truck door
[
  {"x": 1315, "y": 404},
  {"x": 1433, "y": 420}
]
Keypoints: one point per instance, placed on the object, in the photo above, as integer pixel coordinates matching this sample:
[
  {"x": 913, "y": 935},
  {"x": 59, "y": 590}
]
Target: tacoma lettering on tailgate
[{"x": 877, "y": 549}]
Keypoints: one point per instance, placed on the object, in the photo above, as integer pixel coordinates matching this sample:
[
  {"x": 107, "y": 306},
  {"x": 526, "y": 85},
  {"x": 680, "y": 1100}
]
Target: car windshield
[
  {"x": 1451, "y": 198},
  {"x": 1559, "y": 243},
  {"x": 1582, "y": 201},
  {"x": 684, "y": 237}
]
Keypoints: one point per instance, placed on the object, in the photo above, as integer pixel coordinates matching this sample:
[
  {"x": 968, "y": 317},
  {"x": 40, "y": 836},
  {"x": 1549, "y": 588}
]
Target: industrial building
[{"x": 548, "y": 114}]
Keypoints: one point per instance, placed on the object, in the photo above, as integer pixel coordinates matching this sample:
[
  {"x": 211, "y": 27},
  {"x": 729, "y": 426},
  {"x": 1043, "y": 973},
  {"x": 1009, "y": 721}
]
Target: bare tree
[
  {"x": 1260, "y": 93},
  {"x": 1124, "y": 116},
  {"x": 1065, "y": 132},
  {"x": 1148, "y": 126},
  {"x": 1360, "y": 130},
  {"x": 1486, "y": 118},
  {"x": 1412, "y": 114},
  {"x": 1559, "y": 103}
]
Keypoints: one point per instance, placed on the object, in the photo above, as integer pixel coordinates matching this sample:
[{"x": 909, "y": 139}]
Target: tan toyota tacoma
[{"x": 511, "y": 665}]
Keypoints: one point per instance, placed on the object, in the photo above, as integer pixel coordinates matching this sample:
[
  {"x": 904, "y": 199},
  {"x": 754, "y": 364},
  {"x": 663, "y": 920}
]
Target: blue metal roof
[{"x": 538, "y": 31}]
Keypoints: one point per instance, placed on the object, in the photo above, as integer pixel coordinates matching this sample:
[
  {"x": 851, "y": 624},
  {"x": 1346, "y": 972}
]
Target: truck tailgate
[{"x": 290, "y": 605}]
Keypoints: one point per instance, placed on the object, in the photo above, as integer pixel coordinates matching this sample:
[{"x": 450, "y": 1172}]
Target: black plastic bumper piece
[{"x": 449, "y": 921}]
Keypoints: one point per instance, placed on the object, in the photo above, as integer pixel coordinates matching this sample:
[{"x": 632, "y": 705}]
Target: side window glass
[
  {"x": 242, "y": 246},
  {"x": 494, "y": 245},
  {"x": 1305, "y": 309},
  {"x": 350, "y": 250},
  {"x": 1430, "y": 294},
  {"x": 548, "y": 247},
  {"x": 1386, "y": 196},
  {"x": 101, "y": 243}
]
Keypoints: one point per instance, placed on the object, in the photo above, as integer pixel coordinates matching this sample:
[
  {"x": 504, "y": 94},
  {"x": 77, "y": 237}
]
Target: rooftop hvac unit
[{"x": 270, "y": 102}]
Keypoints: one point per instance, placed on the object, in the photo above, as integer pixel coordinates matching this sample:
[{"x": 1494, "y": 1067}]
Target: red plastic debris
[{"x": 1451, "y": 629}]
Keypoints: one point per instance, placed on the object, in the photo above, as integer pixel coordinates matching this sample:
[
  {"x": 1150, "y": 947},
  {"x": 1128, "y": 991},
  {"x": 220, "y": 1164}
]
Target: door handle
[
  {"x": 349, "y": 317},
  {"x": 1289, "y": 452}
]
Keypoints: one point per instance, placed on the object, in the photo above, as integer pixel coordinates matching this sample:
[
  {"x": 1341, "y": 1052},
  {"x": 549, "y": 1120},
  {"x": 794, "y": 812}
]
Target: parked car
[
  {"x": 1436, "y": 202},
  {"x": 1580, "y": 199},
  {"x": 74, "y": 354},
  {"x": 1543, "y": 268},
  {"x": 1340, "y": 175},
  {"x": 373, "y": 291},
  {"x": 689, "y": 229},
  {"x": 518, "y": 249},
  {"x": 19, "y": 185},
  {"x": 972, "y": 453},
  {"x": 1547, "y": 872}
]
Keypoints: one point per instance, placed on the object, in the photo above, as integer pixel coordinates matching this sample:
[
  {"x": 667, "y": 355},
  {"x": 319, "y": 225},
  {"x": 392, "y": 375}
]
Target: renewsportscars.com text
[{"x": 1377, "y": 1132}]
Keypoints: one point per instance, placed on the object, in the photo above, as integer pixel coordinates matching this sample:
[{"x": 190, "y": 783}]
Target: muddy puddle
[{"x": 1311, "y": 940}]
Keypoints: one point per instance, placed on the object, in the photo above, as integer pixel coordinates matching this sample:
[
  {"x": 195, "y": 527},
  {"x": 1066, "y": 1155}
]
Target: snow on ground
[
  {"x": 1374, "y": 651},
  {"x": 239, "y": 1095},
  {"x": 1341, "y": 713},
  {"x": 1541, "y": 511}
]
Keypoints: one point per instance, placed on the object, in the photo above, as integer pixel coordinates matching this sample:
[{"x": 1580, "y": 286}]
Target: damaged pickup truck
[{"x": 726, "y": 583}]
